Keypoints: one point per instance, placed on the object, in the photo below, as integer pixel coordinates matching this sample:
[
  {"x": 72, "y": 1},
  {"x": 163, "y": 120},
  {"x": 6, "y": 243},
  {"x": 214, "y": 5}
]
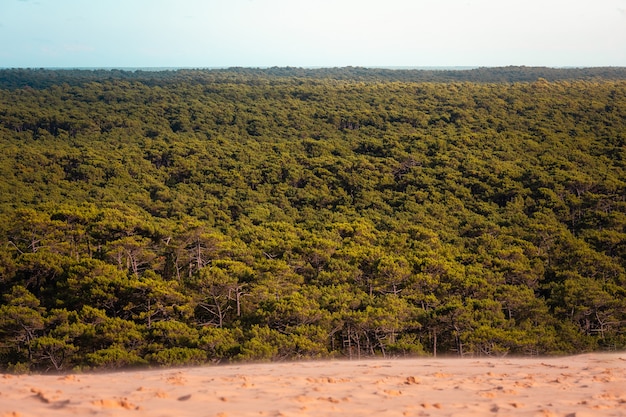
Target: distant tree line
[{"x": 44, "y": 78}]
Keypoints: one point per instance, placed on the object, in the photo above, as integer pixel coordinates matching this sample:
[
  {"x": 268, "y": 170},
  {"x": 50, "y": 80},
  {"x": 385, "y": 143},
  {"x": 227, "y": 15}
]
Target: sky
[{"x": 311, "y": 33}]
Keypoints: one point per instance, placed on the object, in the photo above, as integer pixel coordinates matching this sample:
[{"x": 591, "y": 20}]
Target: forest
[{"x": 190, "y": 217}]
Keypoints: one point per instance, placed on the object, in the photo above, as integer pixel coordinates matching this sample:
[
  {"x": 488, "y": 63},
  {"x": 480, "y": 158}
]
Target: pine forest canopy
[{"x": 194, "y": 216}]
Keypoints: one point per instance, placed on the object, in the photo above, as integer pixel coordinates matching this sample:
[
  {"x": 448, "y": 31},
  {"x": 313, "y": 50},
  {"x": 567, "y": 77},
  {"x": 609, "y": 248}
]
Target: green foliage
[
  {"x": 220, "y": 343},
  {"x": 169, "y": 218},
  {"x": 177, "y": 356},
  {"x": 21, "y": 323},
  {"x": 51, "y": 353},
  {"x": 113, "y": 357}
]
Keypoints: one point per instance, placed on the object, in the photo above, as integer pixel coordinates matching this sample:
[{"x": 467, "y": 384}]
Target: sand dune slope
[{"x": 584, "y": 385}]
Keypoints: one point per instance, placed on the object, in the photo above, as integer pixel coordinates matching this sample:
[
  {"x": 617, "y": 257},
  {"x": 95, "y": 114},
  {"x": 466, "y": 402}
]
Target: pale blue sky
[{"x": 222, "y": 33}]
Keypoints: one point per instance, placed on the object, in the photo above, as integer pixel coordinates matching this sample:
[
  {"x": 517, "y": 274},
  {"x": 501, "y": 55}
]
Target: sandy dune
[{"x": 585, "y": 385}]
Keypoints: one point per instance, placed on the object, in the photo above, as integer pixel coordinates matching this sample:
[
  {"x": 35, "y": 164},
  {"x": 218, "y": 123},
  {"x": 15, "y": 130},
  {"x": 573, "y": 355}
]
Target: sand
[{"x": 583, "y": 385}]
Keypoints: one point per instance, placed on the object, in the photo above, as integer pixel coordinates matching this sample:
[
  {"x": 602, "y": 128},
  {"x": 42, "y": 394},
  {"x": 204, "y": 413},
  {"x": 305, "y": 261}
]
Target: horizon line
[{"x": 383, "y": 67}]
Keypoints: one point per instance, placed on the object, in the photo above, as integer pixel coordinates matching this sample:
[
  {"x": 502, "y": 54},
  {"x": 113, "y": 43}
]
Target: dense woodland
[{"x": 195, "y": 216}]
